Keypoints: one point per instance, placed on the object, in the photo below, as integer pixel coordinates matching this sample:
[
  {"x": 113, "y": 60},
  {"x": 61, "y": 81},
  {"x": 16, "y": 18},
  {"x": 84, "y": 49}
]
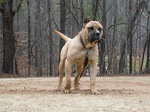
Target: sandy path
[{"x": 117, "y": 94}]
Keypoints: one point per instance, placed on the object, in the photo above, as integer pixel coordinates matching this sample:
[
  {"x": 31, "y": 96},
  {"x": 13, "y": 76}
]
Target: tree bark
[
  {"x": 102, "y": 46},
  {"x": 38, "y": 36},
  {"x": 82, "y": 12},
  {"x": 29, "y": 38},
  {"x": 6, "y": 9},
  {"x": 122, "y": 57},
  {"x": 95, "y": 8},
  {"x": 114, "y": 40},
  {"x": 62, "y": 20},
  {"x": 8, "y": 38},
  {"x": 130, "y": 36},
  {"x": 141, "y": 66},
  {"x": 50, "y": 39},
  {"x": 148, "y": 44}
]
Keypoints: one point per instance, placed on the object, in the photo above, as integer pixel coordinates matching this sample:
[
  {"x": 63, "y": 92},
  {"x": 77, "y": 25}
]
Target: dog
[{"x": 75, "y": 51}]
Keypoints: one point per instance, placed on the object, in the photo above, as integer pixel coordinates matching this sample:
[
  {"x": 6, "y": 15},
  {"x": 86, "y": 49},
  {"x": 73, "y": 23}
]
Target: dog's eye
[
  {"x": 90, "y": 28},
  {"x": 100, "y": 29}
]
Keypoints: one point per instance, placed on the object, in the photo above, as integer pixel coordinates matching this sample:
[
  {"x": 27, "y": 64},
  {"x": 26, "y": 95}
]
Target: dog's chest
[
  {"x": 80, "y": 55},
  {"x": 77, "y": 56}
]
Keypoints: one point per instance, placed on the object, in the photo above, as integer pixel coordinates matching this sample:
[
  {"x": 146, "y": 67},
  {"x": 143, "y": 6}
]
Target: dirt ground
[{"x": 116, "y": 94}]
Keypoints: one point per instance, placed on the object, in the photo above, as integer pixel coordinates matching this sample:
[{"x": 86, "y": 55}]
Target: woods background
[{"x": 29, "y": 48}]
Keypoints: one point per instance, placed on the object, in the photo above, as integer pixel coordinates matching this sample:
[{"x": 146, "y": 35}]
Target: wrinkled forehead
[{"x": 95, "y": 24}]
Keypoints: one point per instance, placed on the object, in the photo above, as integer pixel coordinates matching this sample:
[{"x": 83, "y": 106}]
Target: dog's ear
[{"x": 86, "y": 20}]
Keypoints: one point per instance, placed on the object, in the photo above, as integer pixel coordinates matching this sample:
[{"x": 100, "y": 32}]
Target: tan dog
[{"x": 74, "y": 52}]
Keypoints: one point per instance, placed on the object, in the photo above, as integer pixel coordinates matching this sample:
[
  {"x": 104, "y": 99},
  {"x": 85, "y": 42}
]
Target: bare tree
[
  {"x": 6, "y": 9},
  {"x": 148, "y": 44},
  {"x": 131, "y": 26},
  {"x": 102, "y": 45},
  {"x": 95, "y": 8},
  {"x": 82, "y": 11},
  {"x": 50, "y": 36},
  {"x": 29, "y": 37},
  {"x": 39, "y": 38},
  {"x": 62, "y": 19}
]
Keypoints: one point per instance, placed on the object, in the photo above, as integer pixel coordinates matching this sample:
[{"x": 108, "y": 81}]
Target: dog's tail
[{"x": 62, "y": 35}]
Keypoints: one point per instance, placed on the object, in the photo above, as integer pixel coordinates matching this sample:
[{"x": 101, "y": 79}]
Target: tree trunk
[
  {"x": 114, "y": 49},
  {"x": 8, "y": 39},
  {"x": 148, "y": 44},
  {"x": 38, "y": 36},
  {"x": 29, "y": 39},
  {"x": 50, "y": 39},
  {"x": 82, "y": 12},
  {"x": 130, "y": 36},
  {"x": 141, "y": 66},
  {"x": 102, "y": 46},
  {"x": 122, "y": 57},
  {"x": 95, "y": 8},
  {"x": 148, "y": 53},
  {"x": 62, "y": 20}
]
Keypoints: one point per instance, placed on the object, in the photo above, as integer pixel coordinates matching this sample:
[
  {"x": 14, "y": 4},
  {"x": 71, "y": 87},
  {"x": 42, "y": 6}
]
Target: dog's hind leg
[
  {"x": 61, "y": 73},
  {"x": 68, "y": 72},
  {"x": 77, "y": 77}
]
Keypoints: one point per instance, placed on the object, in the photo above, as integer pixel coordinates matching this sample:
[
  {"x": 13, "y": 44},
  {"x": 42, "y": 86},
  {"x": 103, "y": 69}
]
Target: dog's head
[{"x": 93, "y": 31}]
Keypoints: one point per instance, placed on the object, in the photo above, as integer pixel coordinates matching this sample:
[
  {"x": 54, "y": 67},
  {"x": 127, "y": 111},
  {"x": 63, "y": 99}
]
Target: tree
[
  {"x": 82, "y": 12},
  {"x": 50, "y": 35},
  {"x": 148, "y": 44},
  {"x": 95, "y": 8},
  {"x": 131, "y": 25},
  {"x": 130, "y": 35},
  {"x": 102, "y": 46},
  {"x": 38, "y": 35},
  {"x": 62, "y": 20},
  {"x": 6, "y": 9},
  {"x": 29, "y": 38}
]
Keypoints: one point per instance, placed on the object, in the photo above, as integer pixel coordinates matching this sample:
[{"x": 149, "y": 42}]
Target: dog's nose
[{"x": 97, "y": 33}]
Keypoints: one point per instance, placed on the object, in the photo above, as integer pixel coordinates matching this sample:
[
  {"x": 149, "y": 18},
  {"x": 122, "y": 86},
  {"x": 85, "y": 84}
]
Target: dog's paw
[
  {"x": 67, "y": 91},
  {"x": 94, "y": 92},
  {"x": 76, "y": 87}
]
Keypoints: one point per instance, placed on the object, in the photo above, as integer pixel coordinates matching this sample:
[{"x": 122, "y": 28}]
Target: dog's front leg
[
  {"x": 93, "y": 72},
  {"x": 68, "y": 71},
  {"x": 78, "y": 76}
]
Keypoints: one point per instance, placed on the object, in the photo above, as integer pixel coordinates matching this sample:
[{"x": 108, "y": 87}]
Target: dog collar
[
  {"x": 82, "y": 42},
  {"x": 100, "y": 41}
]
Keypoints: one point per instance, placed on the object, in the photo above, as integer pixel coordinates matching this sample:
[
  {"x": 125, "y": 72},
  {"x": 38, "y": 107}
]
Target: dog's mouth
[{"x": 94, "y": 38}]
